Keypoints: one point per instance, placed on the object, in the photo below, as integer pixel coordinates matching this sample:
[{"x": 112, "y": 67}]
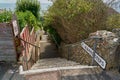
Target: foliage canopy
[
  {"x": 75, "y": 19},
  {"x": 5, "y": 16},
  {"x": 113, "y": 21},
  {"x": 27, "y": 18},
  {"x": 29, "y": 5}
]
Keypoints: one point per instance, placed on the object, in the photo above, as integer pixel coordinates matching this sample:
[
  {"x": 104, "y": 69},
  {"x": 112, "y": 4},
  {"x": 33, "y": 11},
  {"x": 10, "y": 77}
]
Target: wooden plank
[
  {"x": 9, "y": 43},
  {"x": 6, "y": 47},
  {"x": 5, "y": 30},
  {"x": 4, "y": 34},
  {"x": 8, "y": 58},
  {"x": 7, "y": 52},
  {"x": 5, "y": 38},
  {"x": 2, "y": 28}
]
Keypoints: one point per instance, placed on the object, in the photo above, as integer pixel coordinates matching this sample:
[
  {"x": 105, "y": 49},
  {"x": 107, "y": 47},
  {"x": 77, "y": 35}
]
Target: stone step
[
  {"x": 79, "y": 72},
  {"x": 64, "y": 73},
  {"x": 4, "y": 38},
  {"x": 55, "y": 69},
  {"x": 5, "y": 47},
  {"x": 62, "y": 69},
  {"x": 45, "y": 37},
  {"x": 48, "y": 50},
  {"x": 8, "y": 58},
  {"x": 7, "y": 52},
  {"x": 9, "y": 43},
  {"x": 53, "y": 62}
]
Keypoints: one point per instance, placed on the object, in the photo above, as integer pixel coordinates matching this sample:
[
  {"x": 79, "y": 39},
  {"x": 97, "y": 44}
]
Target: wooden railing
[{"x": 30, "y": 52}]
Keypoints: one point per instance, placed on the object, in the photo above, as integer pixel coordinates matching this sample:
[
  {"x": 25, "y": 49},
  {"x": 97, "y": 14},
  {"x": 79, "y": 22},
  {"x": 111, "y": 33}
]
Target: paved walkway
[
  {"x": 9, "y": 71},
  {"x": 53, "y": 63},
  {"x": 69, "y": 70}
]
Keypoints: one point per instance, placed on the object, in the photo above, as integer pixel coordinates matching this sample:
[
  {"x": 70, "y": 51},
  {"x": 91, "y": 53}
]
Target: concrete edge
[{"x": 36, "y": 71}]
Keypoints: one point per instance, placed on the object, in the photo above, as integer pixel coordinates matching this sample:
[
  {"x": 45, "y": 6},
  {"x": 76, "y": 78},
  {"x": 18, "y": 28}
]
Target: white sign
[
  {"x": 15, "y": 27},
  {"x": 97, "y": 58}
]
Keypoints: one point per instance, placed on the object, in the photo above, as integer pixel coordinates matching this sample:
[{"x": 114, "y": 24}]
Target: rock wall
[{"x": 108, "y": 48}]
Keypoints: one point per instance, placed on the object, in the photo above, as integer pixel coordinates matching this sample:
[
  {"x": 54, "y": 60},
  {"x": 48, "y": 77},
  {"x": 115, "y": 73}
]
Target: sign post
[
  {"x": 96, "y": 38},
  {"x": 94, "y": 54},
  {"x": 15, "y": 25}
]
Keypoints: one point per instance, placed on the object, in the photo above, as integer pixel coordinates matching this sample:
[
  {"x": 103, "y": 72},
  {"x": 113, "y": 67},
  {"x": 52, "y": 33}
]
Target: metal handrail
[{"x": 29, "y": 43}]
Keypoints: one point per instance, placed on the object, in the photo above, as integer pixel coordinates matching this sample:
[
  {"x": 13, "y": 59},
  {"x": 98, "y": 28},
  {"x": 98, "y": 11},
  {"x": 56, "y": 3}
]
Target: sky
[
  {"x": 41, "y": 1},
  {"x": 13, "y": 1},
  {"x": 110, "y": 0}
]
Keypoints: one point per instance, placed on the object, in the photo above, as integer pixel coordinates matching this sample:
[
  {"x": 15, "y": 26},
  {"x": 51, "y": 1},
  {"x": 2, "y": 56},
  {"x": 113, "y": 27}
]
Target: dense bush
[
  {"x": 5, "y": 16},
  {"x": 29, "y": 5},
  {"x": 28, "y": 12},
  {"x": 113, "y": 21},
  {"x": 27, "y": 18},
  {"x": 53, "y": 34},
  {"x": 75, "y": 19}
]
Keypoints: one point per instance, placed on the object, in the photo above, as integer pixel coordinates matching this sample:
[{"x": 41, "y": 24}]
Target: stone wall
[{"x": 108, "y": 49}]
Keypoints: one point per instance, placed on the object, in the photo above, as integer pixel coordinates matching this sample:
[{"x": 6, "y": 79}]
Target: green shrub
[
  {"x": 113, "y": 21},
  {"x": 29, "y": 5},
  {"x": 27, "y": 18},
  {"x": 5, "y": 16},
  {"x": 74, "y": 20},
  {"x": 53, "y": 34}
]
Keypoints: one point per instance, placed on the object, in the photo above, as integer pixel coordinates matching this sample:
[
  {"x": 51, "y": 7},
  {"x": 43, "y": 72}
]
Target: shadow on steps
[{"x": 48, "y": 50}]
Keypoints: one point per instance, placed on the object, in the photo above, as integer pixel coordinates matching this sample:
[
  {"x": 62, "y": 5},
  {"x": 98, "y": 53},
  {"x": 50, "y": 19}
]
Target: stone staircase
[
  {"x": 7, "y": 46},
  {"x": 62, "y": 69},
  {"x": 56, "y": 69},
  {"x": 51, "y": 67},
  {"x": 48, "y": 48}
]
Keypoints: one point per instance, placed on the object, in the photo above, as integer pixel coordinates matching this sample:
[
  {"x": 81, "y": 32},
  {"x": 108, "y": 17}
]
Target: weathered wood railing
[
  {"x": 7, "y": 46},
  {"x": 30, "y": 53}
]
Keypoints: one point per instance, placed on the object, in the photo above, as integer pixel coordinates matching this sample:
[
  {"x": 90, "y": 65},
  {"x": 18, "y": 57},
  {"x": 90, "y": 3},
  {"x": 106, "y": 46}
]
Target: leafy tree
[
  {"x": 27, "y": 18},
  {"x": 113, "y": 21},
  {"x": 75, "y": 19},
  {"x": 5, "y": 16},
  {"x": 29, "y": 5}
]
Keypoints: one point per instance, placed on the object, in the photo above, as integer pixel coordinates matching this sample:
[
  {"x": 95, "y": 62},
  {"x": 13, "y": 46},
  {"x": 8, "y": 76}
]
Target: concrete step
[
  {"x": 57, "y": 69},
  {"x": 48, "y": 50},
  {"x": 62, "y": 73},
  {"x": 7, "y": 52},
  {"x": 70, "y": 73},
  {"x": 45, "y": 37},
  {"x": 8, "y": 58},
  {"x": 53, "y": 62},
  {"x": 9, "y": 43}
]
